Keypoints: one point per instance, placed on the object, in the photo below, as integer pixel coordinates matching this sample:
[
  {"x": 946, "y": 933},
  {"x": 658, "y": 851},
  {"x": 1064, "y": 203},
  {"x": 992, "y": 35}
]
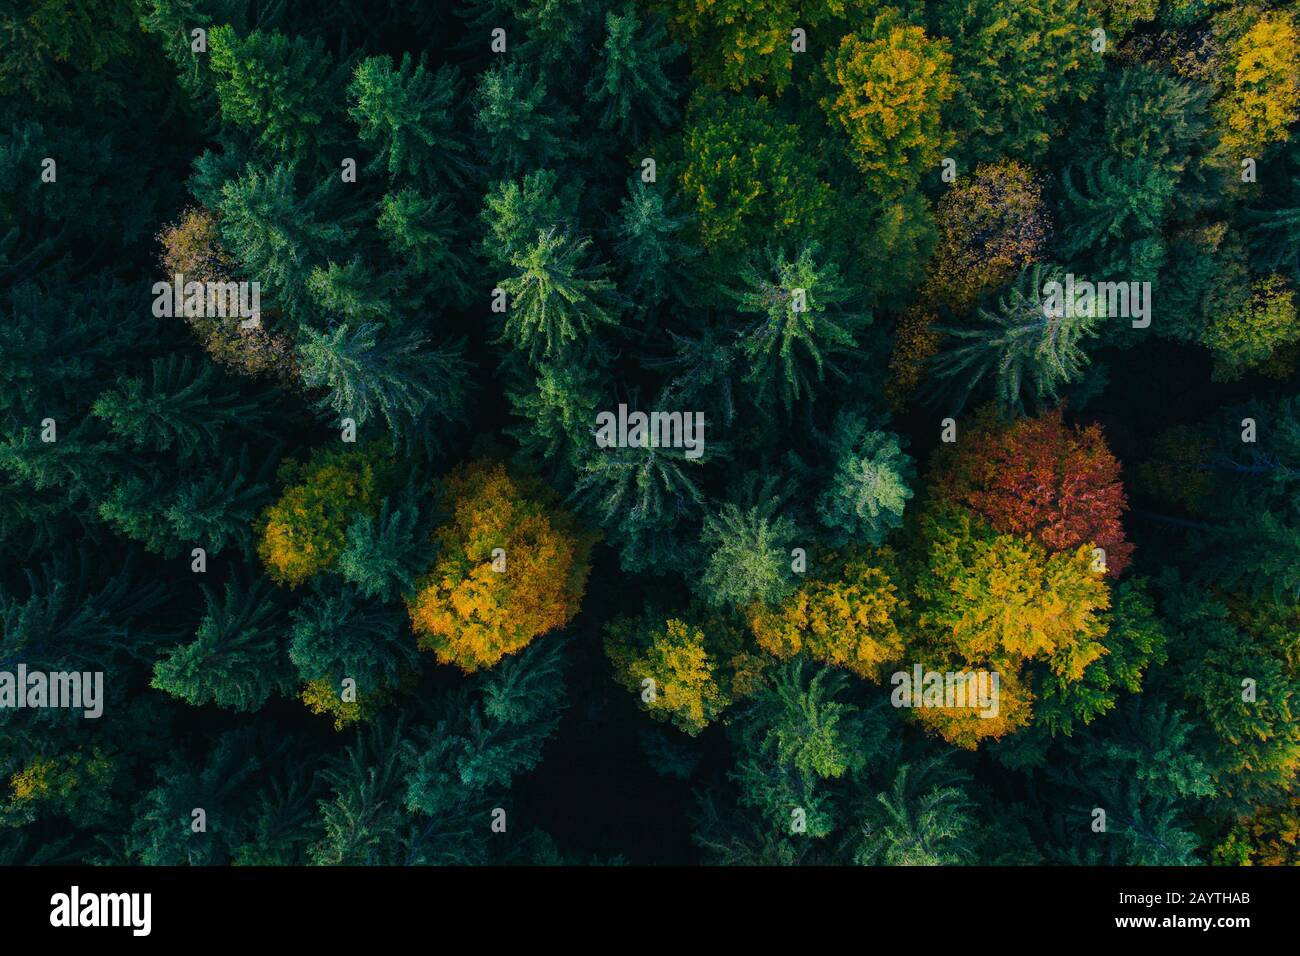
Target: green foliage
[
  {"x": 869, "y": 486},
  {"x": 558, "y": 297},
  {"x": 803, "y": 322},
  {"x": 284, "y": 88},
  {"x": 628, "y": 84},
  {"x": 748, "y": 555},
  {"x": 520, "y": 128},
  {"x": 799, "y": 255},
  {"x": 417, "y": 390},
  {"x": 407, "y": 116},
  {"x": 1014, "y": 63},
  {"x": 237, "y": 658},
  {"x": 1025, "y": 348}
]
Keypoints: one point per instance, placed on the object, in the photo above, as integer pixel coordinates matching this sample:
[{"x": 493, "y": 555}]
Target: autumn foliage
[
  {"x": 1038, "y": 476},
  {"x": 305, "y": 531},
  {"x": 471, "y": 612},
  {"x": 998, "y": 602},
  {"x": 848, "y": 621}
]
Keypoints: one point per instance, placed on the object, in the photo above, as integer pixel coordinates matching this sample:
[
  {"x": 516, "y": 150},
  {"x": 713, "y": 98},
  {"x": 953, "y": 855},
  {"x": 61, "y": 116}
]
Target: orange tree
[{"x": 509, "y": 568}]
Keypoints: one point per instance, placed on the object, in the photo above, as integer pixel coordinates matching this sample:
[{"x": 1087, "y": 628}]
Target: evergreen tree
[
  {"x": 370, "y": 372},
  {"x": 1026, "y": 347},
  {"x": 803, "y": 323},
  {"x": 628, "y": 84},
  {"x": 558, "y": 298},
  {"x": 408, "y": 116},
  {"x": 237, "y": 658}
]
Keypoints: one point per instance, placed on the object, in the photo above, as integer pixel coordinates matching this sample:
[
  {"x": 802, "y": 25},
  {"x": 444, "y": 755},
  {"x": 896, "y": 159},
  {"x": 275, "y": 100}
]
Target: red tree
[{"x": 1040, "y": 477}]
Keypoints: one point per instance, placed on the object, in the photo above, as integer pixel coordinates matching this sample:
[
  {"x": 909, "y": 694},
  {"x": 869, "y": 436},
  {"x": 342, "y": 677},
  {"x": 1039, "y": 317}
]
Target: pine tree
[
  {"x": 237, "y": 659},
  {"x": 408, "y": 116},
  {"x": 558, "y": 298},
  {"x": 924, "y": 819},
  {"x": 424, "y": 233},
  {"x": 279, "y": 233},
  {"x": 356, "y": 293},
  {"x": 515, "y": 211},
  {"x": 337, "y": 634},
  {"x": 386, "y": 553},
  {"x": 628, "y": 84},
  {"x": 1022, "y": 348},
  {"x": 638, "y": 496},
  {"x": 521, "y": 128},
  {"x": 798, "y": 735},
  {"x": 655, "y": 256},
  {"x": 804, "y": 322},
  {"x": 285, "y": 89},
  {"x": 372, "y": 372},
  {"x": 179, "y": 407},
  {"x": 747, "y": 555}
]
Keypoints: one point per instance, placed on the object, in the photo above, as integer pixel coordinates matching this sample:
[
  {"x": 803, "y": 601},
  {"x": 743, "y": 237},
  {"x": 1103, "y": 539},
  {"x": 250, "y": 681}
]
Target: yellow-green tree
[
  {"x": 999, "y": 603},
  {"x": 1263, "y": 88},
  {"x": 737, "y": 42},
  {"x": 509, "y": 569},
  {"x": 1250, "y": 335},
  {"x": 683, "y": 672},
  {"x": 889, "y": 85},
  {"x": 748, "y": 175},
  {"x": 305, "y": 531},
  {"x": 847, "y": 620}
]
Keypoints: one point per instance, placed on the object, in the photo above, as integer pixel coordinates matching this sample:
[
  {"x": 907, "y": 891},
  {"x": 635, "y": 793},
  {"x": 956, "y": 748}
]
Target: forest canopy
[{"x": 872, "y": 429}]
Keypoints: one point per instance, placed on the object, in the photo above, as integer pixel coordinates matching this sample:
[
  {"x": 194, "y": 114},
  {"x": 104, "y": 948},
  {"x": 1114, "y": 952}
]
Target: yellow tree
[
  {"x": 999, "y": 603},
  {"x": 509, "y": 569},
  {"x": 889, "y": 85},
  {"x": 669, "y": 667},
  {"x": 305, "y": 531},
  {"x": 849, "y": 620},
  {"x": 1263, "y": 94}
]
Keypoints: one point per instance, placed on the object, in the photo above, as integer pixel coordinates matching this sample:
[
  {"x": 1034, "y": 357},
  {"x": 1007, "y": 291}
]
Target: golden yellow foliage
[
  {"x": 848, "y": 622},
  {"x": 1269, "y": 837},
  {"x": 997, "y": 602},
  {"x": 468, "y": 612},
  {"x": 915, "y": 342},
  {"x": 321, "y": 698},
  {"x": 1263, "y": 95},
  {"x": 889, "y": 86},
  {"x": 967, "y": 726},
  {"x": 674, "y": 675},
  {"x": 33, "y": 781},
  {"x": 60, "y": 778}
]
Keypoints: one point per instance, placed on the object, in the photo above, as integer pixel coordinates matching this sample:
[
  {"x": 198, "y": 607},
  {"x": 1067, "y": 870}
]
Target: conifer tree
[
  {"x": 237, "y": 658},
  {"x": 628, "y": 83},
  {"x": 558, "y": 299},
  {"x": 407, "y": 114},
  {"x": 371, "y": 372},
  {"x": 1025, "y": 348},
  {"x": 804, "y": 322}
]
